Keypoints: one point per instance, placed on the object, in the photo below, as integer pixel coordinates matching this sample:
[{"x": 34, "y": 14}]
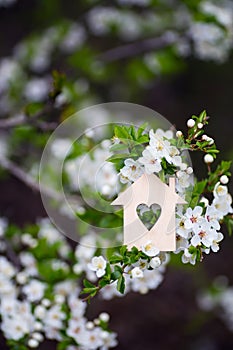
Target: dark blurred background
[{"x": 169, "y": 316}]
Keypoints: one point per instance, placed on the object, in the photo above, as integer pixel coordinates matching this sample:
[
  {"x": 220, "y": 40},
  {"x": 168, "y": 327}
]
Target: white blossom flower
[
  {"x": 212, "y": 216},
  {"x": 220, "y": 190},
  {"x": 203, "y": 234},
  {"x": 223, "y": 205},
  {"x": 77, "y": 306},
  {"x": 6, "y": 286},
  {"x": 6, "y": 268},
  {"x": 151, "y": 280},
  {"x": 109, "y": 341},
  {"x": 76, "y": 329},
  {"x": 54, "y": 317},
  {"x": 158, "y": 144},
  {"x": 174, "y": 156},
  {"x": 181, "y": 243},
  {"x": 48, "y": 231},
  {"x": 215, "y": 244},
  {"x": 193, "y": 217},
  {"x": 37, "y": 89},
  {"x": 40, "y": 312},
  {"x": 8, "y": 306},
  {"x": 110, "y": 291},
  {"x": 34, "y": 290},
  {"x": 188, "y": 257},
  {"x": 9, "y": 68},
  {"x": 65, "y": 287},
  {"x": 61, "y": 147},
  {"x": 136, "y": 272},
  {"x": 98, "y": 264},
  {"x": 131, "y": 171},
  {"x": 150, "y": 249},
  {"x": 155, "y": 262},
  {"x": 91, "y": 339},
  {"x": 15, "y": 328},
  {"x": 181, "y": 229},
  {"x": 73, "y": 39},
  {"x": 150, "y": 161},
  {"x": 183, "y": 180}
]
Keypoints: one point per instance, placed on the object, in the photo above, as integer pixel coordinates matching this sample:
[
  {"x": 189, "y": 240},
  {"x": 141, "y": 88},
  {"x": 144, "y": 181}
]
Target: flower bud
[
  {"x": 208, "y": 158},
  {"x": 179, "y": 133},
  {"x": 104, "y": 316},
  {"x": 189, "y": 170},
  {"x": 33, "y": 343},
  {"x": 224, "y": 179},
  {"x": 190, "y": 123},
  {"x": 155, "y": 262}
]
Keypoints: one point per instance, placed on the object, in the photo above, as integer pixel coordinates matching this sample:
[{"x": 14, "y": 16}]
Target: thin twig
[{"x": 137, "y": 48}]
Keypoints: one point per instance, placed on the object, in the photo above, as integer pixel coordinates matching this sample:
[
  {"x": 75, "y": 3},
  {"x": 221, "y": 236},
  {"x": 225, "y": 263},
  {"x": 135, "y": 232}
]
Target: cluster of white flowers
[
  {"x": 198, "y": 227},
  {"x": 159, "y": 148},
  {"x": 31, "y": 312},
  {"x": 211, "y": 41},
  {"x": 140, "y": 277},
  {"x": 37, "y": 89},
  {"x": 26, "y": 70},
  {"x": 103, "y": 179},
  {"x": 9, "y": 70},
  {"x": 33, "y": 56},
  {"x": 38, "y": 51},
  {"x": 101, "y": 20}
]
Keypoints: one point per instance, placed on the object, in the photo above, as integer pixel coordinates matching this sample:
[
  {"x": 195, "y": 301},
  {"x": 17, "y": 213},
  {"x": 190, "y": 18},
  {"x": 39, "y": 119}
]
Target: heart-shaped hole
[{"x": 149, "y": 215}]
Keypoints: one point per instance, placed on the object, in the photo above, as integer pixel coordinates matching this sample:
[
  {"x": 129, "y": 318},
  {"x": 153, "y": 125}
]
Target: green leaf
[
  {"x": 123, "y": 250},
  {"x": 121, "y": 284},
  {"x": 197, "y": 191},
  {"x": 103, "y": 282},
  {"x": 118, "y": 147},
  {"x": 116, "y": 258},
  {"x": 117, "y": 157},
  {"x": 121, "y": 132},
  {"x": 143, "y": 139},
  {"x": 88, "y": 284},
  {"x": 117, "y": 273},
  {"x": 141, "y": 129},
  {"x": 89, "y": 290}
]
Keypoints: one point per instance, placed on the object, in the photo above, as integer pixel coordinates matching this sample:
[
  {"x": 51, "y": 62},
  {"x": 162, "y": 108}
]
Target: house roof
[{"x": 149, "y": 189}]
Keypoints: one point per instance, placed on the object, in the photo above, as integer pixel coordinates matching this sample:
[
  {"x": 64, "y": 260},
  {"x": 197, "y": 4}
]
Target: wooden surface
[{"x": 149, "y": 189}]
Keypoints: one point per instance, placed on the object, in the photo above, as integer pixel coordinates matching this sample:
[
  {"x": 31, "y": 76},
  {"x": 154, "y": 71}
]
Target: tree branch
[
  {"x": 30, "y": 182},
  {"x": 31, "y": 120},
  {"x": 137, "y": 48},
  {"x": 11, "y": 122},
  {"x": 27, "y": 179}
]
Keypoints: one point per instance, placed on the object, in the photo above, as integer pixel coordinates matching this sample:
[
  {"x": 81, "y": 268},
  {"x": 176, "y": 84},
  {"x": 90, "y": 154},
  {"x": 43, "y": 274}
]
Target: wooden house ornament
[{"x": 149, "y": 189}]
